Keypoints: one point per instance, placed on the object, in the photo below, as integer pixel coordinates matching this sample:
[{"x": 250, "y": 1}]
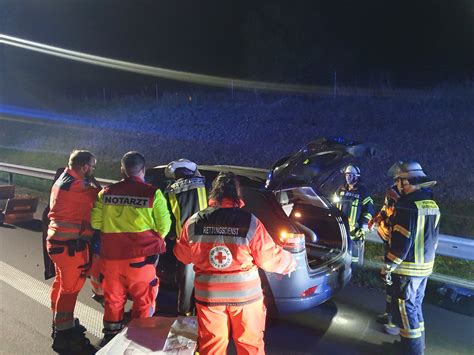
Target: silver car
[{"x": 288, "y": 200}]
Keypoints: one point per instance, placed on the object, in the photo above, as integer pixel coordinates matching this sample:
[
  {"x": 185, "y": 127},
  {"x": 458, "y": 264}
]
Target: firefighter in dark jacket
[
  {"x": 410, "y": 258},
  {"x": 354, "y": 201},
  {"x": 186, "y": 196}
]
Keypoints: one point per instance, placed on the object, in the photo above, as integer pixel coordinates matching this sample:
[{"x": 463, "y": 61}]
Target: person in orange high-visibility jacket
[
  {"x": 67, "y": 243},
  {"x": 133, "y": 218},
  {"x": 227, "y": 246}
]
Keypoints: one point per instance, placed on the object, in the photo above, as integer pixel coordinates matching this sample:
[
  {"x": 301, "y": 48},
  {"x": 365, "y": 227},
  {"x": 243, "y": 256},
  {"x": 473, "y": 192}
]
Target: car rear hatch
[{"x": 295, "y": 181}]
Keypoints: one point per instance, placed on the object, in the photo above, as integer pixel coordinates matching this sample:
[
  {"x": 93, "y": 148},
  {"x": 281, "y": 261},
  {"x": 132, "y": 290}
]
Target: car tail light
[
  {"x": 292, "y": 241},
  {"x": 309, "y": 291}
]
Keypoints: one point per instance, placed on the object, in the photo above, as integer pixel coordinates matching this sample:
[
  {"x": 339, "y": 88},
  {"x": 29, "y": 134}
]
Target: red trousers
[
  {"x": 245, "y": 323},
  {"x": 70, "y": 277},
  {"x": 128, "y": 277}
]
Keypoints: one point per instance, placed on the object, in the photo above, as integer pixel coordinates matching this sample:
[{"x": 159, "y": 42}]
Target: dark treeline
[{"x": 366, "y": 43}]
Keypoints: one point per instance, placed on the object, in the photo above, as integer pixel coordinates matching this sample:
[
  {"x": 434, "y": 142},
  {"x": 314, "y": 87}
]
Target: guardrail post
[{"x": 11, "y": 179}]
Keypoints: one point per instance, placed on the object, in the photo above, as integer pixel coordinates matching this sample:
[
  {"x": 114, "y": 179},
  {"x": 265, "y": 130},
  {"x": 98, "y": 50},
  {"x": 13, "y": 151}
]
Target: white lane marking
[{"x": 39, "y": 291}]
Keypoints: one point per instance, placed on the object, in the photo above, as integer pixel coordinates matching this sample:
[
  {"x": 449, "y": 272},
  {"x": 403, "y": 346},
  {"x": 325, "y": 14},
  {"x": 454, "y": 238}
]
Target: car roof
[{"x": 248, "y": 177}]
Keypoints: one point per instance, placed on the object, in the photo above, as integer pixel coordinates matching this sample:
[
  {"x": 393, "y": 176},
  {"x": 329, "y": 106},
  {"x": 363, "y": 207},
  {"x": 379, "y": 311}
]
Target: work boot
[
  {"x": 109, "y": 335},
  {"x": 391, "y": 329},
  {"x": 71, "y": 340},
  {"x": 79, "y": 327}
]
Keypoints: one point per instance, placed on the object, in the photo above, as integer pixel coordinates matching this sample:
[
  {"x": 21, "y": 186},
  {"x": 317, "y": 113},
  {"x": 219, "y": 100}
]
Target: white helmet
[
  {"x": 401, "y": 170},
  {"x": 179, "y": 164},
  {"x": 351, "y": 169}
]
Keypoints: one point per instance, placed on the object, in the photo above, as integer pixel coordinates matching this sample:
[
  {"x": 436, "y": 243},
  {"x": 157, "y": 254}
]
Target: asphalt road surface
[{"x": 344, "y": 325}]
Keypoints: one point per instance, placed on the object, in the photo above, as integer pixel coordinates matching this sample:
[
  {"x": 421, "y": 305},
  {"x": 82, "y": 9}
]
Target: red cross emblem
[{"x": 220, "y": 257}]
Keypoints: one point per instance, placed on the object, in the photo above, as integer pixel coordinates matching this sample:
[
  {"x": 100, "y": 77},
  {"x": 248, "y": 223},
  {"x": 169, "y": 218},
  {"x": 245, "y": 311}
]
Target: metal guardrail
[
  {"x": 448, "y": 245},
  {"x": 12, "y": 169}
]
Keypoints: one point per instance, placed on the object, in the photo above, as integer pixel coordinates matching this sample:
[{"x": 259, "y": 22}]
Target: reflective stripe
[
  {"x": 63, "y": 315},
  {"x": 407, "y": 271},
  {"x": 231, "y": 295},
  {"x": 252, "y": 228},
  {"x": 398, "y": 228},
  {"x": 221, "y": 239},
  {"x": 57, "y": 224},
  {"x": 403, "y": 314},
  {"x": 367, "y": 200},
  {"x": 66, "y": 235},
  {"x": 112, "y": 325},
  {"x": 419, "y": 239},
  {"x": 394, "y": 258},
  {"x": 64, "y": 320},
  {"x": 367, "y": 215},
  {"x": 410, "y": 334},
  {"x": 202, "y": 198},
  {"x": 422, "y": 326},
  {"x": 238, "y": 277},
  {"x": 413, "y": 265},
  {"x": 176, "y": 213},
  {"x": 353, "y": 213}
]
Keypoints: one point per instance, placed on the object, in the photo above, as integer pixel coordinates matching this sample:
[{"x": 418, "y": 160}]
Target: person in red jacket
[
  {"x": 69, "y": 231},
  {"x": 133, "y": 219},
  {"x": 227, "y": 245}
]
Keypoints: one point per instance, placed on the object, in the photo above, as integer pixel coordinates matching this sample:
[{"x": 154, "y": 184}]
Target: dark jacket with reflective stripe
[
  {"x": 186, "y": 197},
  {"x": 414, "y": 236},
  {"x": 227, "y": 245},
  {"x": 356, "y": 204}
]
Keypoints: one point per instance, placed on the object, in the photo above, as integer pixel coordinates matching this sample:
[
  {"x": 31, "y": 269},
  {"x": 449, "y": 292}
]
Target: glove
[{"x": 358, "y": 234}]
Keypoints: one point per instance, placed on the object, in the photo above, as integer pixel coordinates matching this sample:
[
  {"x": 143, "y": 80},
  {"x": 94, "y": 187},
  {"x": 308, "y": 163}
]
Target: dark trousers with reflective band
[
  {"x": 69, "y": 280},
  {"x": 407, "y": 299},
  {"x": 185, "y": 278},
  {"x": 358, "y": 247},
  {"x": 134, "y": 277}
]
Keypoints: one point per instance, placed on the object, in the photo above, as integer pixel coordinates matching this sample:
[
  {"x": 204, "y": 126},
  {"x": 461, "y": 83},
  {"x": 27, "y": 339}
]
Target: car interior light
[{"x": 297, "y": 214}]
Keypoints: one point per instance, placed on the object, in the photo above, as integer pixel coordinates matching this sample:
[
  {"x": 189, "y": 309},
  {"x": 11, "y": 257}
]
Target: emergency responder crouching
[
  {"x": 354, "y": 201},
  {"x": 227, "y": 246},
  {"x": 411, "y": 255},
  {"x": 69, "y": 231},
  {"x": 186, "y": 196},
  {"x": 133, "y": 219}
]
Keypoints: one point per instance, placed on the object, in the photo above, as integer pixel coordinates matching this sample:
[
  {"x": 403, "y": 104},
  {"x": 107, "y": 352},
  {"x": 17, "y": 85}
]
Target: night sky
[{"x": 409, "y": 43}]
